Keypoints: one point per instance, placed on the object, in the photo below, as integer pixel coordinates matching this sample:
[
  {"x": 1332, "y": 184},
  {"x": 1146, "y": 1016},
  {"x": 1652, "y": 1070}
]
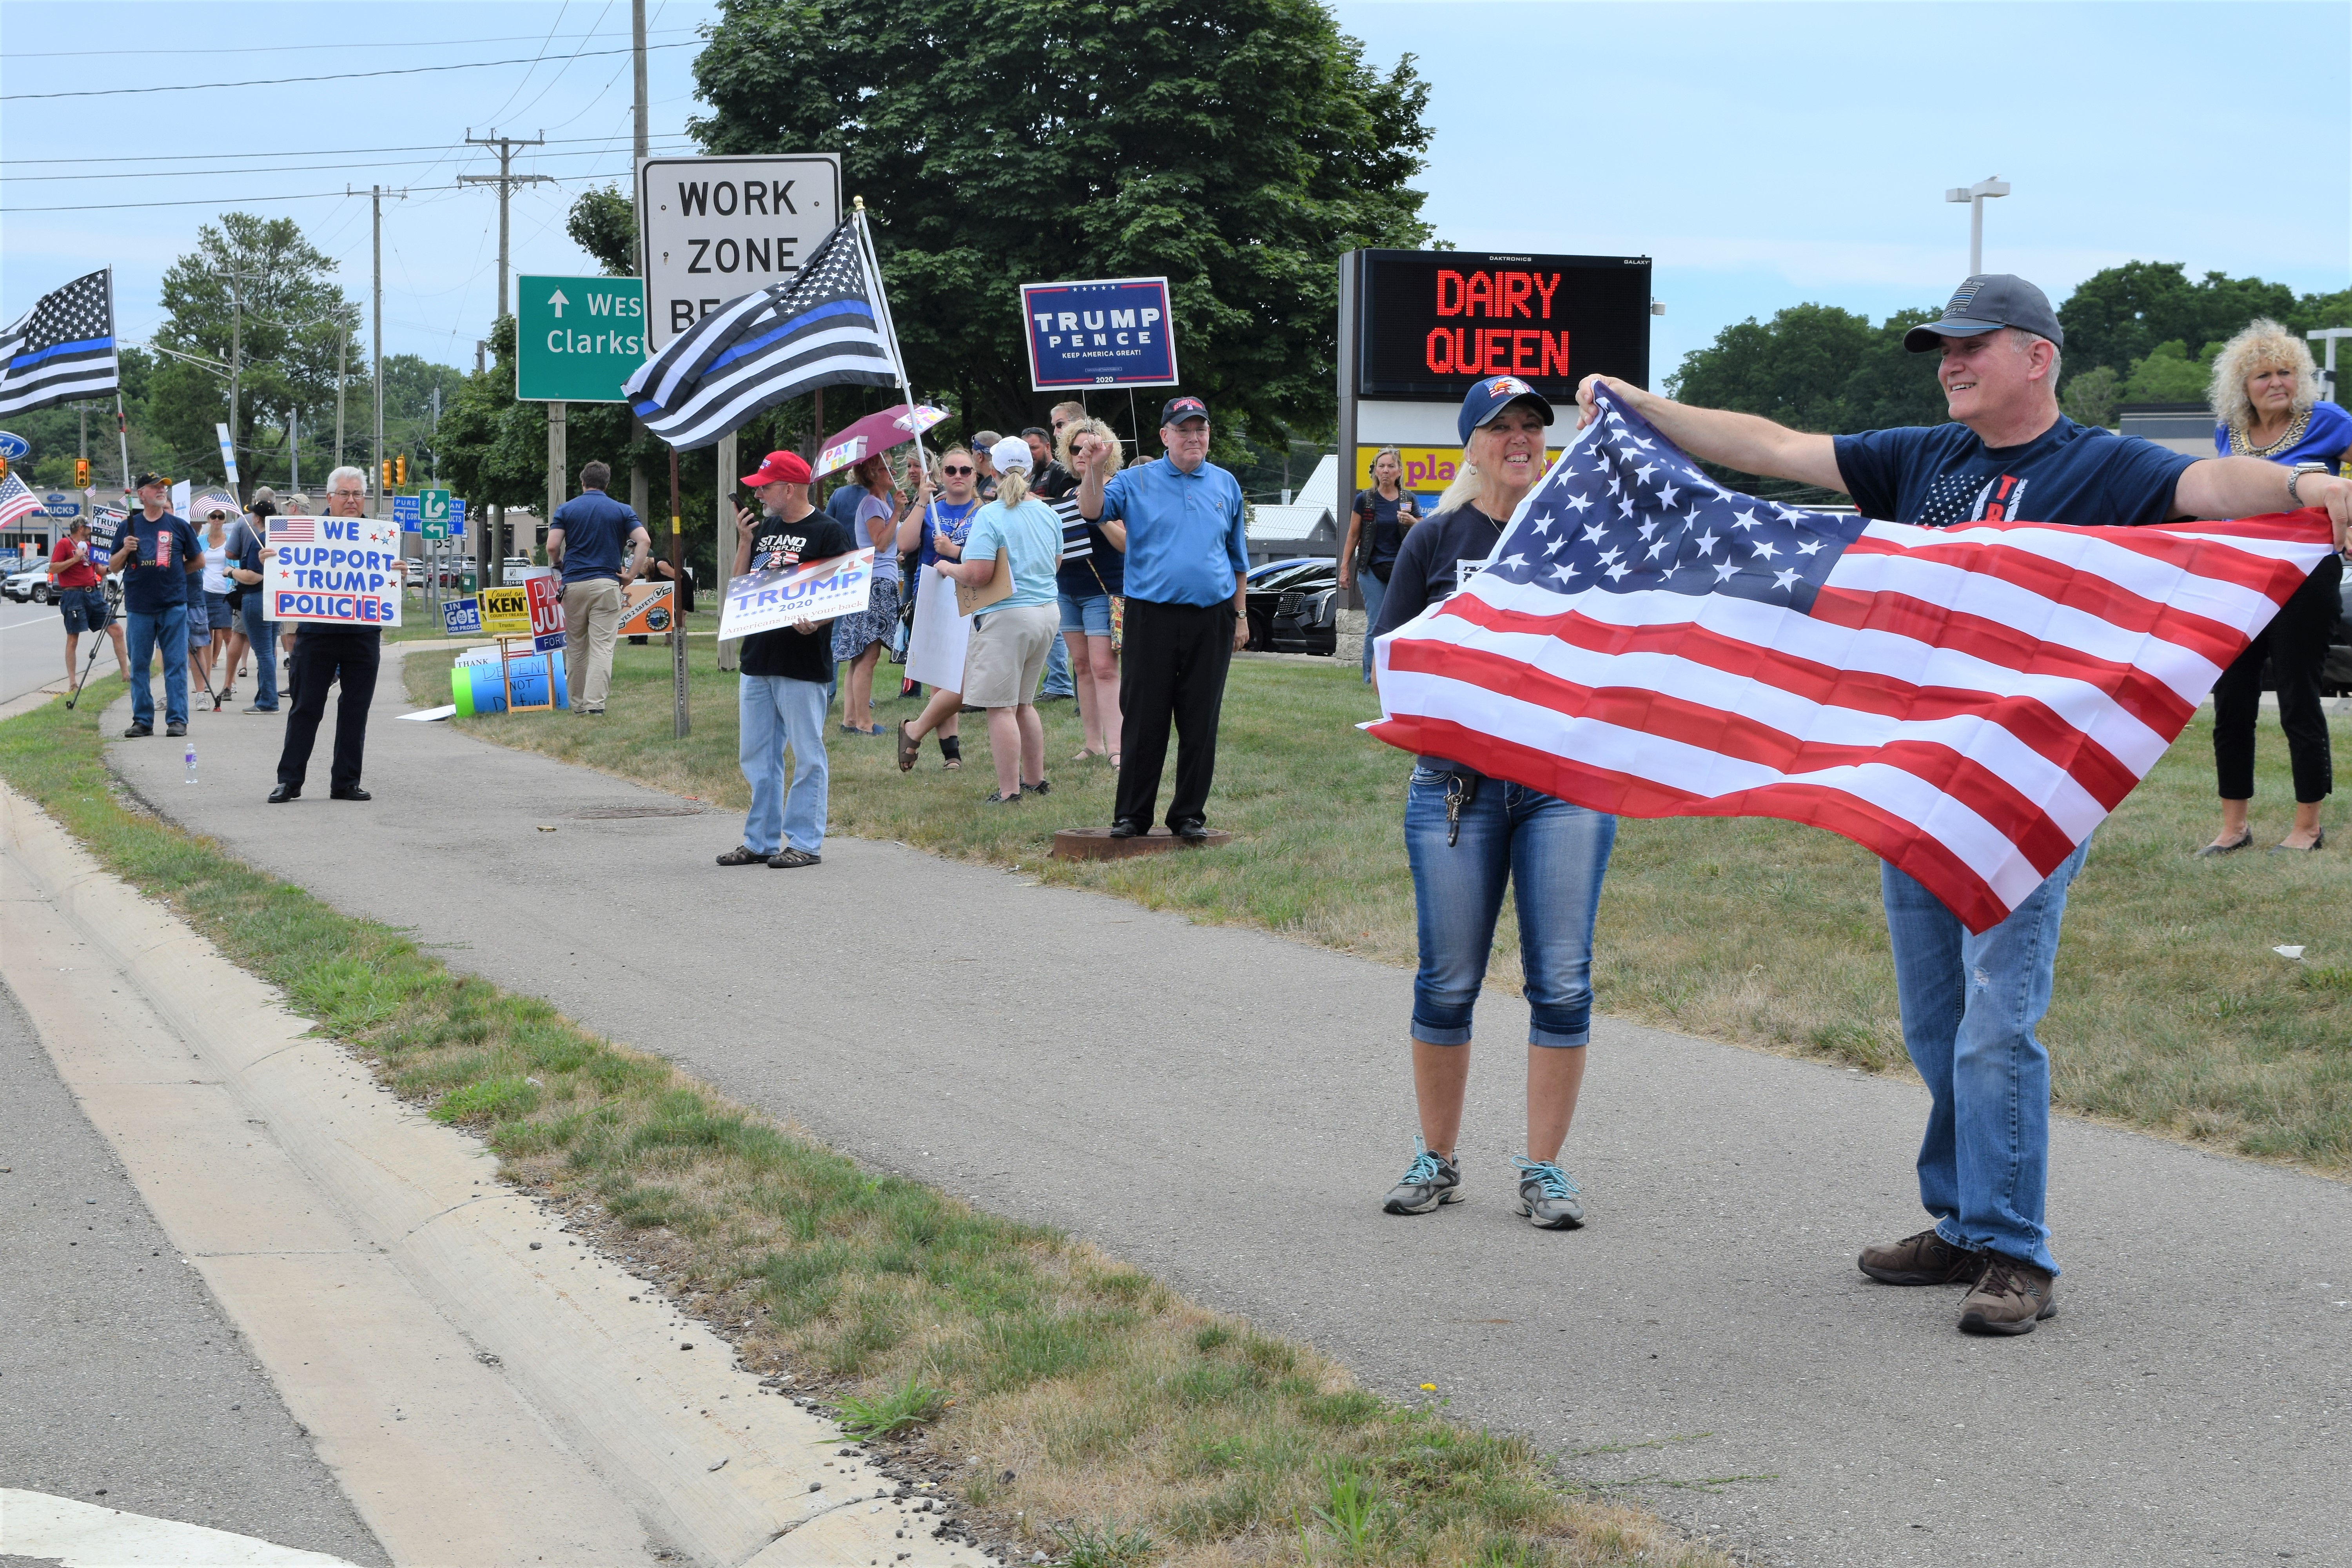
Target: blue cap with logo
[
  {"x": 1491, "y": 397},
  {"x": 1985, "y": 303}
]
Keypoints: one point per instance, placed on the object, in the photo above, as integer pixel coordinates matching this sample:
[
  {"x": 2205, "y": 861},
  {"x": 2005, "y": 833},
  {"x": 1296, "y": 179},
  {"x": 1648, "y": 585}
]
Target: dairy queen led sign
[{"x": 1429, "y": 322}]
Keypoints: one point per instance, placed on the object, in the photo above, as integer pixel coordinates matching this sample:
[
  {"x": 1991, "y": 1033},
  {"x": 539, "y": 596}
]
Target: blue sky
[{"x": 1763, "y": 154}]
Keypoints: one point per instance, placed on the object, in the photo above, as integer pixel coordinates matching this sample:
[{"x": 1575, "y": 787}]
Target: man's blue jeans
[
  {"x": 1969, "y": 1006},
  {"x": 1552, "y": 854},
  {"x": 167, "y": 629},
  {"x": 263, "y": 635},
  {"x": 775, "y": 712},
  {"x": 1375, "y": 594},
  {"x": 1057, "y": 672}
]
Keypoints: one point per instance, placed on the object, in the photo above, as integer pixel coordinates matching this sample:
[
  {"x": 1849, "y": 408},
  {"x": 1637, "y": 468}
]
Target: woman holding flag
[{"x": 1466, "y": 836}]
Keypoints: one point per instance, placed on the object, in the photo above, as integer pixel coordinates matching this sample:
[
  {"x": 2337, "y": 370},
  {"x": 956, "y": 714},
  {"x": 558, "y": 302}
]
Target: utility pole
[
  {"x": 638, "y": 488},
  {"x": 375, "y": 476},
  {"x": 342, "y": 377},
  {"x": 1975, "y": 196},
  {"x": 294, "y": 450},
  {"x": 505, "y": 182}
]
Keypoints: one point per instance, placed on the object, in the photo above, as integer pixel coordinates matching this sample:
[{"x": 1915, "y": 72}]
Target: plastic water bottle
[{"x": 191, "y": 763}]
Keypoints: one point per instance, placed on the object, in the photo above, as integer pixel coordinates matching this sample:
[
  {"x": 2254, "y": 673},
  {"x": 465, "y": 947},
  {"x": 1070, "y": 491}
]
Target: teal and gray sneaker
[
  {"x": 1430, "y": 1182},
  {"x": 1547, "y": 1197}
]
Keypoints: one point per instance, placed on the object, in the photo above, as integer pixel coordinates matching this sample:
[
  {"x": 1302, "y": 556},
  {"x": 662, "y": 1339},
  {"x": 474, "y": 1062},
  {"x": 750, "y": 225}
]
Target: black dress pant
[
  {"x": 1172, "y": 664},
  {"x": 2296, "y": 644},
  {"x": 319, "y": 659}
]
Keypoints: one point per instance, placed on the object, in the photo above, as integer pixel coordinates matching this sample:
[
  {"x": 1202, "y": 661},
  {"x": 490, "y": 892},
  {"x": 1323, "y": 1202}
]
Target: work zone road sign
[
  {"x": 714, "y": 229},
  {"x": 577, "y": 338}
]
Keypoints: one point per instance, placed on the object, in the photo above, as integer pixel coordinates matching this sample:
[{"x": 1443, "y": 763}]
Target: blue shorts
[
  {"x": 1087, "y": 613},
  {"x": 85, "y": 609},
  {"x": 219, "y": 617}
]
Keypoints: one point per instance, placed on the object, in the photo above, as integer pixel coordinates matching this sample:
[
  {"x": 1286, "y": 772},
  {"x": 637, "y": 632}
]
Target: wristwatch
[{"x": 2296, "y": 478}]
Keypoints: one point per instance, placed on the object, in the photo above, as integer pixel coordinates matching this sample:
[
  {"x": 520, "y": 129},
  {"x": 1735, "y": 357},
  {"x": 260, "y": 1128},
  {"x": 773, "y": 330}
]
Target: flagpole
[{"x": 890, "y": 330}]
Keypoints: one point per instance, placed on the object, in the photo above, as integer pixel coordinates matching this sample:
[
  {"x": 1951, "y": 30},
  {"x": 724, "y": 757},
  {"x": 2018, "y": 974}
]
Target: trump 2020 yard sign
[{"x": 1109, "y": 332}]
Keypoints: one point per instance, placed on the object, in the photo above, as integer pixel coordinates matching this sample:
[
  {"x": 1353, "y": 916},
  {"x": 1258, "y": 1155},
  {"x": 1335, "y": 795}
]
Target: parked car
[
  {"x": 1293, "y": 605},
  {"x": 32, "y": 583},
  {"x": 511, "y": 569}
]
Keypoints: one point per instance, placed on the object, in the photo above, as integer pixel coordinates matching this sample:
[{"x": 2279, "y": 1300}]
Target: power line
[
  {"x": 317, "y": 81},
  {"x": 315, "y": 151},
  {"x": 296, "y": 168},
  {"x": 254, "y": 201},
  {"x": 291, "y": 48}
]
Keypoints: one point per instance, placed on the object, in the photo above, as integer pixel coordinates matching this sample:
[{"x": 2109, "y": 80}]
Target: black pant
[
  {"x": 1172, "y": 664},
  {"x": 2296, "y": 644},
  {"x": 319, "y": 659}
]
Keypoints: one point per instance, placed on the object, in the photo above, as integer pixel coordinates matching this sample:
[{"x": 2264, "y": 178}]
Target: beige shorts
[{"x": 1007, "y": 656}]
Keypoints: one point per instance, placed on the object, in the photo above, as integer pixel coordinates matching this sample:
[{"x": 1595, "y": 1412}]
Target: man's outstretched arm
[
  {"x": 1743, "y": 441},
  {"x": 2251, "y": 487}
]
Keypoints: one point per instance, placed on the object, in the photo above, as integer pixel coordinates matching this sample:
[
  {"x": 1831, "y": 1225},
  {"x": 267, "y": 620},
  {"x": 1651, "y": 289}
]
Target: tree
[
  {"x": 2118, "y": 317},
  {"x": 2169, "y": 374},
  {"x": 2090, "y": 397},
  {"x": 604, "y": 223},
  {"x": 1237, "y": 146}
]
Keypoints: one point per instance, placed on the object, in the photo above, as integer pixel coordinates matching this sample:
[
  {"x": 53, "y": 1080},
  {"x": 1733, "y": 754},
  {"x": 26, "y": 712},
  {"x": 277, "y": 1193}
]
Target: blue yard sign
[
  {"x": 462, "y": 617},
  {"x": 1111, "y": 332}
]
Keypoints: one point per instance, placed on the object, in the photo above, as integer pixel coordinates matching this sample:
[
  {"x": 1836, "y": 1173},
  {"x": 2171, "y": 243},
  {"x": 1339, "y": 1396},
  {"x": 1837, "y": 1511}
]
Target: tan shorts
[{"x": 1007, "y": 656}]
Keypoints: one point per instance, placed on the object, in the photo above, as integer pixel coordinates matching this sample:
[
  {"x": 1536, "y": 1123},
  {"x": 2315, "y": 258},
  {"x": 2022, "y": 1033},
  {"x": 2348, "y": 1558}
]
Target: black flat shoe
[
  {"x": 2318, "y": 842},
  {"x": 285, "y": 793},
  {"x": 1124, "y": 827},
  {"x": 138, "y": 732},
  {"x": 354, "y": 793},
  {"x": 176, "y": 729},
  {"x": 2241, "y": 841},
  {"x": 1193, "y": 832}
]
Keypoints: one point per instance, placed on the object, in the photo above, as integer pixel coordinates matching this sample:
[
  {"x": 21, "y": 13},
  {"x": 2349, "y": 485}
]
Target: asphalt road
[
  {"x": 1225, "y": 1107},
  {"x": 33, "y": 648},
  {"x": 122, "y": 1385}
]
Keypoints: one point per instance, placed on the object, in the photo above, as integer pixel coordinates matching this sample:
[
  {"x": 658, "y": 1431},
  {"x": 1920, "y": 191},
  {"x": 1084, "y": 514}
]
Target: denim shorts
[
  {"x": 1551, "y": 854},
  {"x": 219, "y": 616},
  {"x": 85, "y": 609},
  {"x": 200, "y": 626},
  {"x": 1087, "y": 613}
]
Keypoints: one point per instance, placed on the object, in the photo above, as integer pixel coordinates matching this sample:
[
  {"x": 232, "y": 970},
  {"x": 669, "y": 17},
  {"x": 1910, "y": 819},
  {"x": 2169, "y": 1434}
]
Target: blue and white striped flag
[
  {"x": 61, "y": 349},
  {"x": 820, "y": 329}
]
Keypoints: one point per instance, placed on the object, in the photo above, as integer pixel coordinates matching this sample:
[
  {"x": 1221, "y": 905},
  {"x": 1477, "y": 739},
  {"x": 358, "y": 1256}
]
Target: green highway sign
[
  {"x": 432, "y": 514},
  {"x": 577, "y": 338}
]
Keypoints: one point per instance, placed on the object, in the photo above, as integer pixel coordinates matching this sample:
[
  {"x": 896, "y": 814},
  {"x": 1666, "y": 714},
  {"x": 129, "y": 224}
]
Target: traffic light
[
  {"x": 387, "y": 475},
  {"x": 81, "y": 473},
  {"x": 4, "y": 467},
  {"x": 400, "y": 470}
]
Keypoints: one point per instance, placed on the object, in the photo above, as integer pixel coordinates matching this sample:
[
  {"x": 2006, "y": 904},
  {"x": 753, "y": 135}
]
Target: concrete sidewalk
[{"x": 1224, "y": 1108}]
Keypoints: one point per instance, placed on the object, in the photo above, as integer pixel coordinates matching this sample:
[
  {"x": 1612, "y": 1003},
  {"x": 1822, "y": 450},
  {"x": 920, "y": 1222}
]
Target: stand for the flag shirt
[{"x": 506, "y": 656}]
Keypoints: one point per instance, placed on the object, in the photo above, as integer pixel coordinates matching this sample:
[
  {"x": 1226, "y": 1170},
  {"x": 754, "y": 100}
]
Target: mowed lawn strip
[
  {"x": 2171, "y": 1012},
  {"x": 1093, "y": 1413}
]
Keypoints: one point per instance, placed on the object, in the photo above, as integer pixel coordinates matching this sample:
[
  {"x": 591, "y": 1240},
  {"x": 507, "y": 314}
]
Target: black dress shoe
[
  {"x": 136, "y": 731},
  {"x": 176, "y": 729},
  {"x": 354, "y": 793},
  {"x": 285, "y": 793},
  {"x": 1192, "y": 832},
  {"x": 1124, "y": 828}
]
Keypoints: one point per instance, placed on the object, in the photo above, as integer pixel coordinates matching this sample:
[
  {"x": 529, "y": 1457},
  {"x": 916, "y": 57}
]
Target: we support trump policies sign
[
  {"x": 782, "y": 595},
  {"x": 343, "y": 570}
]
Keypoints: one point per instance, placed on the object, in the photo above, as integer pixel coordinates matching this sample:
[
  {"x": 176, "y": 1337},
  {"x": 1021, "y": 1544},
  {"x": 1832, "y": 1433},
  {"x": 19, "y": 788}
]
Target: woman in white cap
[
  {"x": 1467, "y": 835},
  {"x": 1018, "y": 537}
]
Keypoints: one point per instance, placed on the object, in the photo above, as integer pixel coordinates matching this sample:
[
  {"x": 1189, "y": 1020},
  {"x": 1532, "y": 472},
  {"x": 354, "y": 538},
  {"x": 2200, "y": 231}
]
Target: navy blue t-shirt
[
  {"x": 2074, "y": 474},
  {"x": 595, "y": 529},
  {"x": 149, "y": 589},
  {"x": 843, "y": 504}
]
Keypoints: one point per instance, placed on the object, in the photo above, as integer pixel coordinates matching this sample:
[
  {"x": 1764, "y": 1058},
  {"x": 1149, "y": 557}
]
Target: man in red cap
[{"x": 782, "y": 696}]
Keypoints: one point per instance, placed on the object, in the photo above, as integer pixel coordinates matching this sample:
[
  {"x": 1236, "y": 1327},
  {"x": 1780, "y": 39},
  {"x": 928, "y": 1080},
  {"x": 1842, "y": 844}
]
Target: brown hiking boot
[
  {"x": 2010, "y": 1298},
  {"x": 1925, "y": 1258}
]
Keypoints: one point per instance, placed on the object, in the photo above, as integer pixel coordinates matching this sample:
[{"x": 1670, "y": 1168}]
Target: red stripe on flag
[{"x": 1910, "y": 849}]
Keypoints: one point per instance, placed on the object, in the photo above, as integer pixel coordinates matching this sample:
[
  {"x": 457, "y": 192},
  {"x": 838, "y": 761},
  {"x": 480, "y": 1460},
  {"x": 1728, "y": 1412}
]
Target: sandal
[
  {"x": 952, "y": 764},
  {"x": 742, "y": 855},
  {"x": 1041, "y": 788},
  {"x": 791, "y": 860},
  {"x": 1086, "y": 752},
  {"x": 909, "y": 749}
]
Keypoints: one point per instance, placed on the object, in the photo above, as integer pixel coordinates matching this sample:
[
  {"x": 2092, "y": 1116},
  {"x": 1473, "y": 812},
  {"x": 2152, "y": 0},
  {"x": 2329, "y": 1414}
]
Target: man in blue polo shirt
[
  {"x": 157, "y": 553},
  {"x": 1969, "y": 1001},
  {"x": 584, "y": 540},
  {"x": 1186, "y": 581}
]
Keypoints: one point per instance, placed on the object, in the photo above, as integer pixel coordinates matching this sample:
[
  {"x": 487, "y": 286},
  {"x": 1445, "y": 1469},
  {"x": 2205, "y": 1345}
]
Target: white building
[{"x": 1309, "y": 525}]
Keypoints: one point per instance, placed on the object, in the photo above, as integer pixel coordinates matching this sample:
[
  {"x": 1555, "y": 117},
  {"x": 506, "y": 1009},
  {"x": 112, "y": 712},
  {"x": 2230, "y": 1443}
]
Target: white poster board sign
[
  {"x": 717, "y": 229},
  {"x": 337, "y": 570},
  {"x": 763, "y": 600}
]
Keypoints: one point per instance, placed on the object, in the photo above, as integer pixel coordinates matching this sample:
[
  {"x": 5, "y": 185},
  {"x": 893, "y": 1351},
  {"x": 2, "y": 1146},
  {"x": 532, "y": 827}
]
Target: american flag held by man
[{"x": 1967, "y": 702}]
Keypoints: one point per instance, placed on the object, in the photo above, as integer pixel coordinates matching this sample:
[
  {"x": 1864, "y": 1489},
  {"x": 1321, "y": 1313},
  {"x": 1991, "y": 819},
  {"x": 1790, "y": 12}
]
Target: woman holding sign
[{"x": 935, "y": 651}]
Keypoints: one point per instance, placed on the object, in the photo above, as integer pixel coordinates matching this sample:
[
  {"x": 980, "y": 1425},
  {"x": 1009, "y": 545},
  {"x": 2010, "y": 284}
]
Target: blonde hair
[
  {"x": 1101, "y": 431},
  {"x": 1070, "y": 410},
  {"x": 2262, "y": 344},
  {"x": 1011, "y": 488}
]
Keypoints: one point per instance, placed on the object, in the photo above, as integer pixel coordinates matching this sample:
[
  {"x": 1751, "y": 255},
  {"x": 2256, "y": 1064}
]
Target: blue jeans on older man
[
  {"x": 263, "y": 635},
  {"x": 166, "y": 630},
  {"x": 775, "y": 712},
  {"x": 1969, "y": 1004},
  {"x": 1552, "y": 855}
]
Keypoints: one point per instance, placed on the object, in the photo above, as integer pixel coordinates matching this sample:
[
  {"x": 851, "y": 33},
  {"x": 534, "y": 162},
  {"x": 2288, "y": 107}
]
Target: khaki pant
[{"x": 591, "y": 617}]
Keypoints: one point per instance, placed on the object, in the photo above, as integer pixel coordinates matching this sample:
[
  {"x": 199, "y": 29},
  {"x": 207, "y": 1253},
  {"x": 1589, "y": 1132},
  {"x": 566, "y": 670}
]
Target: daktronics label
[
  {"x": 1430, "y": 323},
  {"x": 714, "y": 229}
]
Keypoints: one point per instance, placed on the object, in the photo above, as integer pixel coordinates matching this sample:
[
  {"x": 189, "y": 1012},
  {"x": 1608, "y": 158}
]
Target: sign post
[{"x": 714, "y": 229}]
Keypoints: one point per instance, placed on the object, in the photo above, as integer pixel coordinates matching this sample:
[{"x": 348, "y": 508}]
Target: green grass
[
  {"x": 2171, "y": 1012},
  {"x": 1061, "y": 1384}
]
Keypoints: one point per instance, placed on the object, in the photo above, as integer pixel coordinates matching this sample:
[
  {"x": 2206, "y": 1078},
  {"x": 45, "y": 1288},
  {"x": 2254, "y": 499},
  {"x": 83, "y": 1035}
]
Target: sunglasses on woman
[{"x": 953, "y": 469}]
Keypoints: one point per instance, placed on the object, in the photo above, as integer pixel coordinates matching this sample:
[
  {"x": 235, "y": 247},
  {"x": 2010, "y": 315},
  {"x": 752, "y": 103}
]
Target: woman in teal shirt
[{"x": 1012, "y": 638}]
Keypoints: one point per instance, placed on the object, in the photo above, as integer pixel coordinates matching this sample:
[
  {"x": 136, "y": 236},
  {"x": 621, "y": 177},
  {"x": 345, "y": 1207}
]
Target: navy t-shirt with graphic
[
  {"x": 2074, "y": 474},
  {"x": 786, "y": 652},
  {"x": 160, "y": 580}
]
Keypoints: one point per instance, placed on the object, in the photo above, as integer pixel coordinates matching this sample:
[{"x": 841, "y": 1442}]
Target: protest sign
[
  {"x": 646, "y": 609},
  {"x": 763, "y": 600},
  {"x": 1106, "y": 332},
  {"x": 105, "y": 526},
  {"x": 336, "y": 570},
  {"x": 461, "y": 618},
  {"x": 543, "y": 591},
  {"x": 506, "y": 612}
]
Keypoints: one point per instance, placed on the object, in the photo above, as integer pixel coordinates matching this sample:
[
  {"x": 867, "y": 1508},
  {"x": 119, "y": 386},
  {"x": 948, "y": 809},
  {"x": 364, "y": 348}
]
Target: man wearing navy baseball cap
[
  {"x": 1969, "y": 1003},
  {"x": 1187, "y": 581}
]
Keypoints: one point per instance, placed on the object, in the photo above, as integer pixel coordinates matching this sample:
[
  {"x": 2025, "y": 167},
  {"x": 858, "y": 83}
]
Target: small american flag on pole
[
  {"x": 1967, "y": 702},
  {"x": 293, "y": 531},
  {"x": 16, "y": 500}
]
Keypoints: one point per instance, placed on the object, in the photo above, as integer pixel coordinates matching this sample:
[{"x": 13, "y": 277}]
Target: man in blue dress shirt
[{"x": 1186, "y": 580}]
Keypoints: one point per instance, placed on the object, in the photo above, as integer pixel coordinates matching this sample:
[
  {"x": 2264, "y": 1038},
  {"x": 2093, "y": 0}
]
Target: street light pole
[
  {"x": 2330, "y": 334},
  {"x": 1975, "y": 196}
]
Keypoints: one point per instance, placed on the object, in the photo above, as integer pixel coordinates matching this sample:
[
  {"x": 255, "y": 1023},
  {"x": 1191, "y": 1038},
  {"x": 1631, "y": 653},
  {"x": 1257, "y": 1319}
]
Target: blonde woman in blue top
[
  {"x": 2265, "y": 404},
  {"x": 1012, "y": 638}
]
